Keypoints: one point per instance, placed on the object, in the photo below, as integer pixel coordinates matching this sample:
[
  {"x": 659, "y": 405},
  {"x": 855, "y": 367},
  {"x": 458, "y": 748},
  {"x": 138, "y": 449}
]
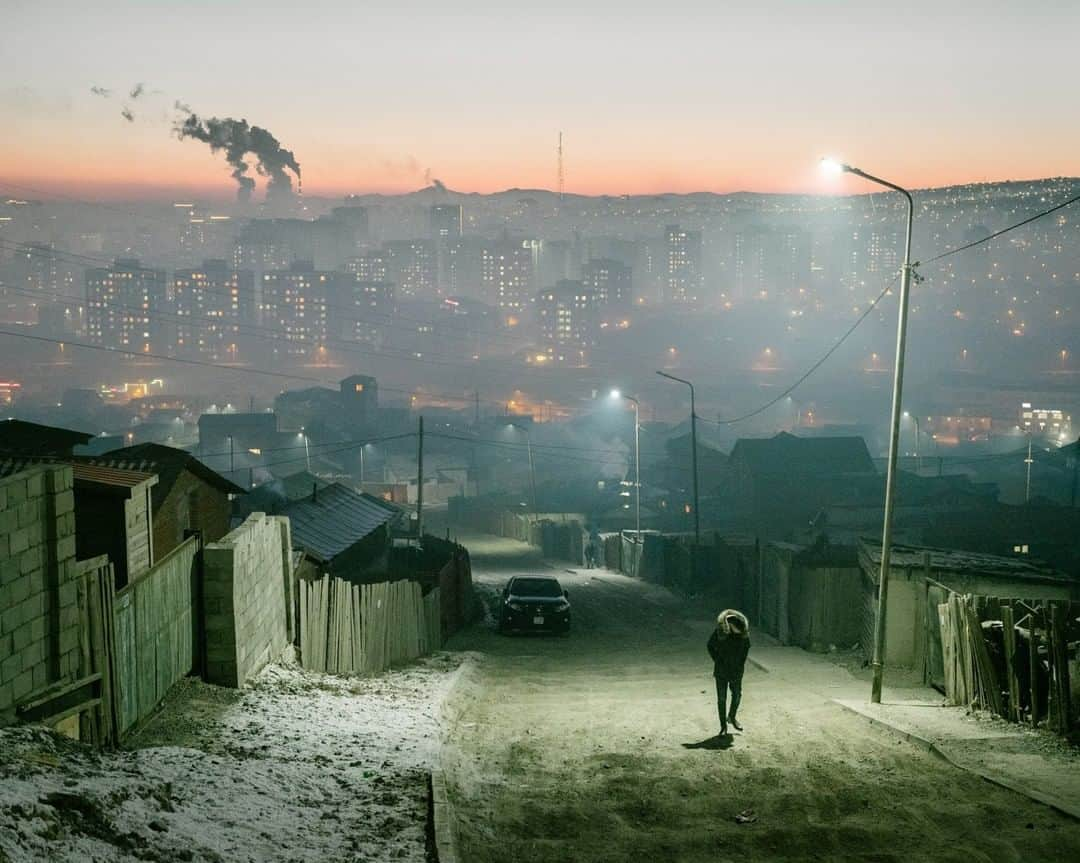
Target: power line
[
  {"x": 953, "y": 251},
  {"x": 251, "y": 370},
  {"x": 814, "y": 367},
  {"x": 997, "y": 234}
]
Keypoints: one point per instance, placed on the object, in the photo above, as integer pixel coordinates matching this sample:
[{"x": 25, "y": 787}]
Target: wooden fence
[
  {"x": 362, "y": 629},
  {"x": 1008, "y": 656},
  {"x": 137, "y": 641}
]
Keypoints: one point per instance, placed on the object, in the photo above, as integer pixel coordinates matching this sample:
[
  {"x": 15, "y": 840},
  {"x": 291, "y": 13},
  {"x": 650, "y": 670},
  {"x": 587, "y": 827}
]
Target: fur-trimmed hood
[{"x": 733, "y": 622}]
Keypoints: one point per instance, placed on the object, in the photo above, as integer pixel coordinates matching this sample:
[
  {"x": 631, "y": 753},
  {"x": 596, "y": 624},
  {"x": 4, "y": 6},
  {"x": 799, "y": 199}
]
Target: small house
[{"x": 343, "y": 532}]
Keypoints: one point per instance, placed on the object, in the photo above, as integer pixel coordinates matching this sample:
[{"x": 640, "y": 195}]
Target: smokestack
[{"x": 238, "y": 139}]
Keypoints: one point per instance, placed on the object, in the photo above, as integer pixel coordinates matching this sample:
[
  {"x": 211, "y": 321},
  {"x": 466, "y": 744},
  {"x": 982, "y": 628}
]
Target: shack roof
[
  {"x": 19, "y": 436},
  {"x": 335, "y": 519},
  {"x": 785, "y": 454},
  {"x": 83, "y": 473},
  {"x": 168, "y": 463},
  {"x": 952, "y": 560}
]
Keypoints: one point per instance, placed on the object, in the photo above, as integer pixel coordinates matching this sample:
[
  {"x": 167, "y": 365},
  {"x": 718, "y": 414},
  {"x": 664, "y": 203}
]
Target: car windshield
[{"x": 535, "y": 587}]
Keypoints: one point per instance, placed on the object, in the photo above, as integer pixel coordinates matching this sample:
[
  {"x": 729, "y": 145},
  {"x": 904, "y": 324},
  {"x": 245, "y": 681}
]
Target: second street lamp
[
  {"x": 693, "y": 460},
  {"x": 616, "y": 394},
  {"x": 894, "y": 424},
  {"x": 532, "y": 468}
]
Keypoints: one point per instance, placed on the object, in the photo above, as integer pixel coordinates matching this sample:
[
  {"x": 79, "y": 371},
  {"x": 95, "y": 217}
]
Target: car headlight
[
  {"x": 514, "y": 606},
  {"x": 562, "y": 606}
]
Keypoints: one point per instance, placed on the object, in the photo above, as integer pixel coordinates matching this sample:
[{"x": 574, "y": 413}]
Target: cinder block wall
[
  {"x": 39, "y": 613},
  {"x": 246, "y": 574}
]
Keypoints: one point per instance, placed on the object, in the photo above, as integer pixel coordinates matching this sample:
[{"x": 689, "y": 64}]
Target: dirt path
[{"x": 596, "y": 748}]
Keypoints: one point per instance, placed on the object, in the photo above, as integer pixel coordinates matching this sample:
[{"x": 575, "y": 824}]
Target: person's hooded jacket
[{"x": 729, "y": 644}]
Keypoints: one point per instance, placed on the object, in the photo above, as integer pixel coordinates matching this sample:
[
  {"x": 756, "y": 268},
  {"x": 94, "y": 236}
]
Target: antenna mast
[{"x": 559, "y": 151}]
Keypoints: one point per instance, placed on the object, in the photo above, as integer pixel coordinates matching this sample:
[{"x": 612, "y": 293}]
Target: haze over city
[{"x": 560, "y": 432}]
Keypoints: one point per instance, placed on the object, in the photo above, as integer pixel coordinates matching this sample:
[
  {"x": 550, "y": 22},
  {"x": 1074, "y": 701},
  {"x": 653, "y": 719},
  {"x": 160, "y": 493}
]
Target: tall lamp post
[
  {"x": 616, "y": 395},
  {"x": 894, "y": 426},
  {"x": 307, "y": 451},
  {"x": 532, "y": 468},
  {"x": 693, "y": 458}
]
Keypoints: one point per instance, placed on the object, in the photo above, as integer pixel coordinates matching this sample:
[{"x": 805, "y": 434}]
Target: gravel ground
[{"x": 298, "y": 766}]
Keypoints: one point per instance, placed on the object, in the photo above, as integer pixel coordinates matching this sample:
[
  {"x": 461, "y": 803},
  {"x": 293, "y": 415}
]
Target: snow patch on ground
[{"x": 298, "y": 766}]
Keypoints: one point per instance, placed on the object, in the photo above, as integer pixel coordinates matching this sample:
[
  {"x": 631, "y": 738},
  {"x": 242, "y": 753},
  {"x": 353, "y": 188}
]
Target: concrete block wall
[
  {"x": 39, "y": 613},
  {"x": 244, "y": 590}
]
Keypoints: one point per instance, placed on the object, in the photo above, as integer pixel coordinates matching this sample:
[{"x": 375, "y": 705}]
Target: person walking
[{"x": 728, "y": 646}]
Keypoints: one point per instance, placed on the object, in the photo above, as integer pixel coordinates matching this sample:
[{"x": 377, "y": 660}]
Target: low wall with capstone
[{"x": 247, "y": 590}]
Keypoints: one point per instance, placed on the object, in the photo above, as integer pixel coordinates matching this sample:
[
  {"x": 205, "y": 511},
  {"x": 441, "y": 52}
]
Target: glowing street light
[
  {"x": 835, "y": 167},
  {"x": 532, "y": 468},
  {"x": 616, "y": 395}
]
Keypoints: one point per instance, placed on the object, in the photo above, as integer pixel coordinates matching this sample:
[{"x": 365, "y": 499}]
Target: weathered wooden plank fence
[
  {"x": 362, "y": 629},
  {"x": 1009, "y": 656}
]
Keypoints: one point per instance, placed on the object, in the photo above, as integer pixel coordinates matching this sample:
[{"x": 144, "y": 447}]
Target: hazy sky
[{"x": 650, "y": 96}]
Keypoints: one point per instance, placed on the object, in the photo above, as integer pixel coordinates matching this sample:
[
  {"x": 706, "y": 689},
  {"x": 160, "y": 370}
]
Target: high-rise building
[
  {"x": 372, "y": 306},
  {"x": 411, "y": 267},
  {"x": 43, "y": 281},
  {"x": 445, "y": 233},
  {"x": 294, "y": 306},
  {"x": 611, "y": 281},
  {"x": 508, "y": 271},
  {"x": 214, "y": 307},
  {"x": 568, "y": 319},
  {"x": 684, "y": 280},
  {"x": 123, "y": 307},
  {"x": 371, "y": 266},
  {"x": 466, "y": 267}
]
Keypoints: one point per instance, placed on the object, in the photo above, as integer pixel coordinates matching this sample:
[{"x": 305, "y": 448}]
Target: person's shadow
[{"x": 718, "y": 741}]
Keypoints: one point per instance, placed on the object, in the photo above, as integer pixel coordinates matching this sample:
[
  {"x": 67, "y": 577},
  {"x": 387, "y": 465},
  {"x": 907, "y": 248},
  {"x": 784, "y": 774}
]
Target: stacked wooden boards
[
  {"x": 1008, "y": 683},
  {"x": 365, "y": 628}
]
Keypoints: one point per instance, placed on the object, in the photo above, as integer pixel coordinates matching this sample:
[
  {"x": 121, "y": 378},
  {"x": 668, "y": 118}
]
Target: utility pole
[
  {"x": 906, "y": 270},
  {"x": 693, "y": 460},
  {"x": 1028, "y": 461},
  {"x": 1076, "y": 473},
  {"x": 420, "y": 484}
]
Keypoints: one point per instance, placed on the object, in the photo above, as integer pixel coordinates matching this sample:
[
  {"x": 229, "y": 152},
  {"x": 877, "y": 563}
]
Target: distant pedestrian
[{"x": 728, "y": 646}]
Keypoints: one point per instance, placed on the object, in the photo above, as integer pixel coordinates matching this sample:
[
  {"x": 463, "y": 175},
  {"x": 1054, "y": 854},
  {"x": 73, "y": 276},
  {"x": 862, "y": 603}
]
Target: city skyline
[{"x": 724, "y": 98}]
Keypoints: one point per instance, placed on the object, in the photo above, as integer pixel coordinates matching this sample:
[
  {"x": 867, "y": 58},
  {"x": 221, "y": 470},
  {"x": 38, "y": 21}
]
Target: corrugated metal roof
[
  {"x": 81, "y": 471},
  {"x": 954, "y": 560},
  {"x": 336, "y": 519},
  {"x": 102, "y": 475}
]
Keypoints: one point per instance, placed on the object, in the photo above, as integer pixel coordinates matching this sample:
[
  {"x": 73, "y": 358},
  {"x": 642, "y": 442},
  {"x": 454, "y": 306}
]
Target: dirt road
[{"x": 598, "y": 747}]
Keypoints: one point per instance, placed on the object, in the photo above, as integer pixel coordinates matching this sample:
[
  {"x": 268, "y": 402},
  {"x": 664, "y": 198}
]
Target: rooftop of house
[
  {"x": 952, "y": 560},
  {"x": 336, "y": 518},
  {"x": 168, "y": 463},
  {"x": 19, "y": 436},
  {"x": 786, "y": 454},
  {"x": 84, "y": 474}
]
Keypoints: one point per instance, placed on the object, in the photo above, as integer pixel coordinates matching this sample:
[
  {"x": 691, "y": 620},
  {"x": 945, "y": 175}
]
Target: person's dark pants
[{"x": 722, "y": 685}]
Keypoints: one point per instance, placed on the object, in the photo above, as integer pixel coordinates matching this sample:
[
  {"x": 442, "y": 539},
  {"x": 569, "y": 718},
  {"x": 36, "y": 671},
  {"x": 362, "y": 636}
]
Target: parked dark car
[{"x": 534, "y": 603}]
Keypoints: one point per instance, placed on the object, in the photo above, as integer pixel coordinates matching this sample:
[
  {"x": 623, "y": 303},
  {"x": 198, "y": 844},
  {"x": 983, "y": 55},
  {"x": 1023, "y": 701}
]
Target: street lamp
[
  {"x": 918, "y": 434},
  {"x": 616, "y": 395},
  {"x": 894, "y": 426},
  {"x": 693, "y": 459},
  {"x": 532, "y": 468},
  {"x": 307, "y": 451}
]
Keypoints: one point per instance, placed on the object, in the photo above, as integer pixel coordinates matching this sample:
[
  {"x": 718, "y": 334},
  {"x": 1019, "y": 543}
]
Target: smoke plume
[{"x": 237, "y": 139}]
